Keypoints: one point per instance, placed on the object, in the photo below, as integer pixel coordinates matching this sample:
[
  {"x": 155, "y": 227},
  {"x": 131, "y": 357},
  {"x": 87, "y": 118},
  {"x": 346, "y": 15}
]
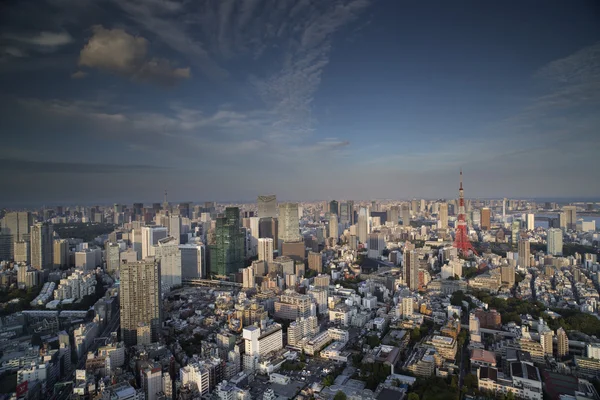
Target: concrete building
[
  {"x": 315, "y": 261},
  {"x": 61, "y": 253},
  {"x": 140, "y": 298},
  {"x": 302, "y": 328},
  {"x": 570, "y": 213},
  {"x": 267, "y": 206},
  {"x": 530, "y": 222},
  {"x": 289, "y": 229},
  {"x": 150, "y": 237},
  {"x": 486, "y": 219},
  {"x": 168, "y": 254},
  {"x": 265, "y": 249},
  {"x": 151, "y": 381},
  {"x": 113, "y": 257},
  {"x": 443, "y": 215},
  {"x": 405, "y": 214},
  {"x": 293, "y": 305},
  {"x": 333, "y": 228},
  {"x": 562, "y": 343},
  {"x": 42, "y": 246},
  {"x": 376, "y": 245},
  {"x": 363, "y": 225},
  {"x": 507, "y": 273},
  {"x": 524, "y": 253},
  {"x": 411, "y": 269},
  {"x": 555, "y": 242},
  {"x": 22, "y": 252}
]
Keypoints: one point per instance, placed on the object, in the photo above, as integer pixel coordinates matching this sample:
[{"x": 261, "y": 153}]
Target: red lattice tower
[{"x": 461, "y": 240}]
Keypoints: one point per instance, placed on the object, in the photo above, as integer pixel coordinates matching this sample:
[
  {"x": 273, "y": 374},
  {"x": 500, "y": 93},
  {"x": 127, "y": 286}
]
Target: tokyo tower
[{"x": 461, "y": 240}]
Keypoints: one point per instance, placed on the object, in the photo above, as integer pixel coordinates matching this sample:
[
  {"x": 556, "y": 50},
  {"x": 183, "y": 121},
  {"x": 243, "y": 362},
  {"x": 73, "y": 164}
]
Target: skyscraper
[
  {"x": 524, "y": 253},
  {"x": 267, "y": 206},
  {"x": 150, "y": 237},
  {"x": 42, "y": 246},
  {"x": 333, "y": 227},
  {"x": 140, "y": 298},
  {"x": 485, "y": 219},
  {"x": 394, "y": 215},
  {"x": 18, "y": 226},
  {"x": 570, "y": 217},
  {"x": 555, "y": 242},
  {"x": 168, "y": 254},
  {"x": 113, "y": 257},
  {"x": 268, "y": 228},
  {"x": 363, "y": 225},
  {"x": 530, "y": 222},
  {"x": 227, "y": 254},
  {"x": 562, "y": 345},
  {"x": 289, "y": 228},
  {"x": 350, "y": 205},
  {"x": 443, "y": 215},
  {"x": 265, "y": 249},
  {"x": 405, "y": 215},
  {"x": 334, "y": 207},
  {"x": 507, "y": 274},
  {"x": 411, "y": 269}
]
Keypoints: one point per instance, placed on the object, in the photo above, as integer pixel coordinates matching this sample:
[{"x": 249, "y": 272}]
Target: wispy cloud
[{"x": 29, "y": 166}]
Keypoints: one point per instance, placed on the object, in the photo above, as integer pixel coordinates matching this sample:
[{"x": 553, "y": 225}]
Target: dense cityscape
[
  {"x": 299, "y": 199},
  {"x": 417, "y": 299}
]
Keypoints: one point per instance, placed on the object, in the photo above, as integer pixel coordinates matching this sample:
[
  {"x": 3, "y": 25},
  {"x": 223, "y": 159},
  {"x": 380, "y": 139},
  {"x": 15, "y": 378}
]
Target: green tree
[
  {"x": 413, "y": 396},
  {"x": 339, "y": 396},
  {"x": 328, "y": 381}
]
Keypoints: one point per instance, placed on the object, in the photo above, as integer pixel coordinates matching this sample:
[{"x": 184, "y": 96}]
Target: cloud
[
  {"x": 55, "y": 167},
  {"x": 79, "y": 75},
  {"x": 117, "y": 51},
  {"x": 42, "y": 39}
]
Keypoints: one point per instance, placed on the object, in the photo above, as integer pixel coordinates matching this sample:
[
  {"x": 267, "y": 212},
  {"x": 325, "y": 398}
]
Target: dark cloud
[{"x": 23, "y": 166}]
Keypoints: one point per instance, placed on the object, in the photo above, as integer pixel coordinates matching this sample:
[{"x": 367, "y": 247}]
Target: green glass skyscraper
[{"x": 227, "y": 254}]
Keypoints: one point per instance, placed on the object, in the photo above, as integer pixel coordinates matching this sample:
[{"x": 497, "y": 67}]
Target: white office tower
[
  {"x": 320, "y": 298},
  {"x": 196, "y": 375},
  {"x": 530, "y": 222},
  {"x": 265, "y": 249},
  {"x": 333, "y": 227},
  {"x": 474, "y": 328},
  {"x": 555, "y": 241},
  {"x": 169, "y": 255},
  {"x": 150, "y": 237},
  {"x": 301, "y": 328},
  {"x": 193, "y": 261},
  {"x": 152, "y": 381},
  {"x": 289, "y": 226},
  {"x": 363, "y": 225},
  {"x": 254, "y": 232},
  {"x": 248, "y": 277},
  {"x": 259, "y": 342},
  {"x": 407, "y": 307}
]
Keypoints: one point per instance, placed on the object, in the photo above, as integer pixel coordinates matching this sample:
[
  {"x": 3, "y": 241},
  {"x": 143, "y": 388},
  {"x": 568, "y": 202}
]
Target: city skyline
[{"x": 108, "y": 102}]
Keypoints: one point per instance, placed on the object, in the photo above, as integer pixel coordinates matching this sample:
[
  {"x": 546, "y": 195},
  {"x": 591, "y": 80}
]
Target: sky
[{"x": 119, "y": 100}]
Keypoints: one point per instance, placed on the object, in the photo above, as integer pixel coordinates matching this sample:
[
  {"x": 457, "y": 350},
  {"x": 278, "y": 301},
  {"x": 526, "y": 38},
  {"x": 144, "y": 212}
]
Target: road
[{"x": 113, "y": 325}]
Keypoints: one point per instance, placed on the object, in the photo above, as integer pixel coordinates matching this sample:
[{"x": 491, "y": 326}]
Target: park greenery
[{"x": 87, "y": 231}]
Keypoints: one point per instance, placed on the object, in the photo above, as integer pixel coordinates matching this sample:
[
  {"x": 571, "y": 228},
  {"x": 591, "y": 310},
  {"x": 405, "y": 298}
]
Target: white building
[
  {"x": 168, "y": 253},
  {"x": 150, "y": 237},
  {"x": 265, "y": 249},
  {"x": 555, "y": 241}
]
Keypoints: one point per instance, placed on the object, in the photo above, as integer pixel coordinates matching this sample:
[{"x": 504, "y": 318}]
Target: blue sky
[{"x": 119, "y": 100}]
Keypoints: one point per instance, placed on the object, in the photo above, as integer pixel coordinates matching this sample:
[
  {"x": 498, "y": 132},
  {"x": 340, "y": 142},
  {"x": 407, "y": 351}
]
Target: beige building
[
  {"x": 265, "y": 249},
  {"x": 61, "y": 253}
]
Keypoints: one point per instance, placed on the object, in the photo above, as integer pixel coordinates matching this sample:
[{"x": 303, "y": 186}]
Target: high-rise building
[
  {"x": 515, "y": 232},
  {"x": 486, "y": 219},
  {"x": 507, "y": 274},
  {"x": 350, "y": 206},
  {"x": 265, "y": 249},
  {"x": 150, "y": 237},
  {"x": 289, "y": 227},
  {"x": 193, "y": 261},
  {"x": 411, "y": 269},
  {"x": 570, "y": 217},
  {"x": 405, "y": 214},
  {"x": 268, "y": 228},
  {"x": 151, "y": 381},
  {"x": 61, "y": 253},
  {"x": 530, "y": 222},
  {"x": 175, "y": 227},
  {"x": 113, "y": 257},
  {"x": 293, "y": 305},
  {"x": 524, "y": 253},
  {"x": 168, "y": 254},
  {"x": 23, "y": 254},
  {"x": 555, "y": 242},
  {"x": 227, "y": 254},
  {"x": 562, "y": 346},
  {"x": 443, "y": 215},
  {"x": 18, "y": 226},
  {"x": 546, "y": 341},
  {"x": 322, "y": 281},
  {"x": 315, "y": 261},
  {"x": 42, "y": 246},
  {"x": 393, "y": 215},
  {"x": 334, "y": 207},
  {"x": 363, "y": 225},
  {"x": 248, "y": 277},
  {"x": 333, "y": 227},
  {"x": 376, "y": 245},
  {"x": 267, "y": 206},
  {"x": 140, "y": 298}
]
